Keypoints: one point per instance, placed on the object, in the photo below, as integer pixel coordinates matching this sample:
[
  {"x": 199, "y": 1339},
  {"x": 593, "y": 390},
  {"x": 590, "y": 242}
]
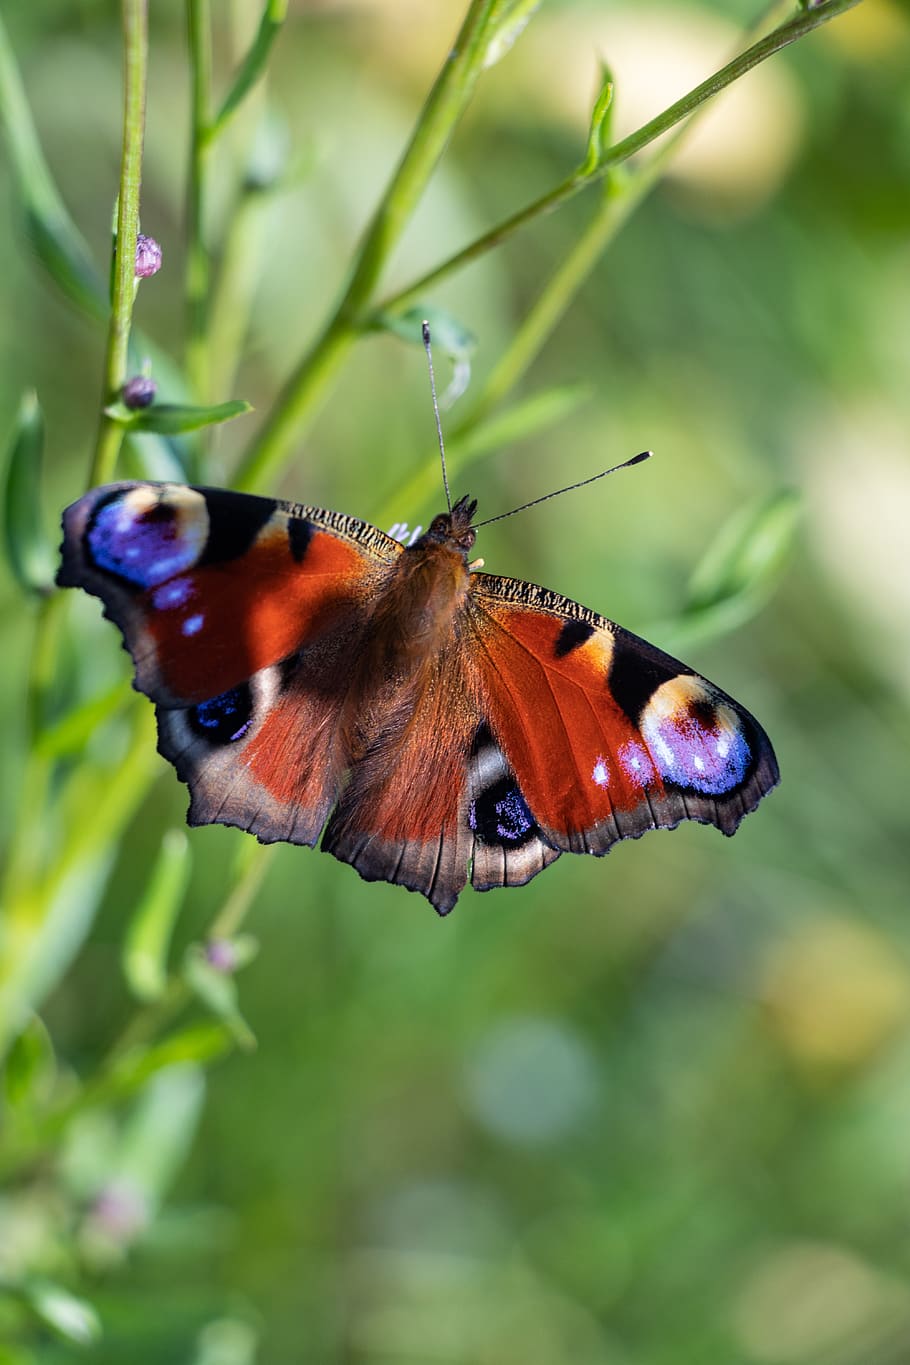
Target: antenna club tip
[
  {"x": 645, "y": 455},
  {"x": 425, "y": 332}
]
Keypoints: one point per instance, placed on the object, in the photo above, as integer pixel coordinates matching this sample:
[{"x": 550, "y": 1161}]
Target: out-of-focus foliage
[{"x": 651, "y": 1110}]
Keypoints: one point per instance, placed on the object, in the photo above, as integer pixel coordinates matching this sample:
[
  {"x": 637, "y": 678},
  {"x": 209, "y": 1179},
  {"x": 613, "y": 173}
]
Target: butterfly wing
[
  {"x": 605, "y": 736},
  {"x": 240, "y": 614},
  {"x": 403, "y": 815}
]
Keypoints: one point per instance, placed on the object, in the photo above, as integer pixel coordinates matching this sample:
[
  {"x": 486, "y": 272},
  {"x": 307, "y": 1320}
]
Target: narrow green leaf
[
  {"x": 149, "y": 934},
  {"x": 57, "y": 241},
  {"x": 748, "y": 553},
  {"x": 158, "y": 1132},
  {"x": 508, "y": 23},
  {"x": 72, "y": 1318},
  {"x": 196, "y": 1043},
  {"x": 253, "y": 65},
  {"x": 521, "y": 420},
  {"x": 29, "y": 1063},
  {"x": 28, "y": 549},
  {"x": 737, "y": 574},
  {"x": 449, "y": 335},
  {"x": 170, "y": 419},
  {"x": 599, "y": 130},
  {"x": 217, "y": 990},
  {"x": 71, "y": 732}
]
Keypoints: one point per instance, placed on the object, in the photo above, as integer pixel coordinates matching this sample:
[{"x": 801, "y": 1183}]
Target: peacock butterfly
[{"x": 434, "y": 724}]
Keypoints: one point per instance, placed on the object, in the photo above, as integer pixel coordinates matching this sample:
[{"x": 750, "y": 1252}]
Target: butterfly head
[{"x": 452, "y": 528}]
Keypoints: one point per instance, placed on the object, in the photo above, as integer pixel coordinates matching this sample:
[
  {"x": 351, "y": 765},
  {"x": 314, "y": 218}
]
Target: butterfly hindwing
[
  {"x": 509, "y": 848},
  {"x": 607, "y": 735},
  {"x": 266, "y": 755}
]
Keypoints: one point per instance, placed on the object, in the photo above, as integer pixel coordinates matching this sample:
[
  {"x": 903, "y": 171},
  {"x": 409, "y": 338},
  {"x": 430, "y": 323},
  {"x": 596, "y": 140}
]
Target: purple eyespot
[
  {"x": 141, "y": 537},
  {"x": 698, "y": 745}
]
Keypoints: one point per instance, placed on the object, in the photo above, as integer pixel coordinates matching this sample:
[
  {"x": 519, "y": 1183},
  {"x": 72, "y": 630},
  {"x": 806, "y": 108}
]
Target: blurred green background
[{"x": 652, "y": 1110}]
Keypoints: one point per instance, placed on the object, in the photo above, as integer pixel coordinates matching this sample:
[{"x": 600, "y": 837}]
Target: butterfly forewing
[{"x": 209, "y": 587}]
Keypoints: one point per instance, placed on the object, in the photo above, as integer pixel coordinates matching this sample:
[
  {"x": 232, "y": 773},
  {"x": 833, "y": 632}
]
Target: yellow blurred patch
[
  {"x": 835, "y": 992},
  {"x": 804, "y": 1301},
  {"x": 875, "y": 29}
]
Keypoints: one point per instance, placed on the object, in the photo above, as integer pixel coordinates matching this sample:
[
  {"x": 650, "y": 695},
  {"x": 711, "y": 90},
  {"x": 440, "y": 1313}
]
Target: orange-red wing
[
  {"x": 606, "y": 735},
  {"x": 209, "y": 587}
]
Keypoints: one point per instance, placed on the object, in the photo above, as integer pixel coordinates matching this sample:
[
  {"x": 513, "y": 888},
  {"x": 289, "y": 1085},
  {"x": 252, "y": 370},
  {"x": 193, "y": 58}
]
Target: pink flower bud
[
  {"x": 220, "y": 954},
  {"x": 139, "y": 392},
  {"x": 148, "y": 256}
]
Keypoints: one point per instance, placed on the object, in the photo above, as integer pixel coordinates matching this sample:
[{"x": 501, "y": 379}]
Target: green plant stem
[
  {"x": 135, "y": 69},
  {"x": 198, "y": 266},
  {"x": 446, "y": 103},
  {"x": 253, "y": 864},
  {"x": 252, "y": 68},
  {"x": 798, "y": 27},
  {"x": 239, "y": 267}
]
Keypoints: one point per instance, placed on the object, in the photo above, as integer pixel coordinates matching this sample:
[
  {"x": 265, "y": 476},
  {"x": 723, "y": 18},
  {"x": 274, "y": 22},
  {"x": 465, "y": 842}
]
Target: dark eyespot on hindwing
[
  {"x": 500, "y": 816},
  {"x": 224, "y": 719},
  {"x": 498, "y": 813}
]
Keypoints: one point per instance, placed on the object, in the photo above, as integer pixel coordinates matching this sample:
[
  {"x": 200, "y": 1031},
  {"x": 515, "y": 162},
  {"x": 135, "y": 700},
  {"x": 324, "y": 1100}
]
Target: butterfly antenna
[
  {"x": 636, "y": 459},
  {"x": 425, "y": 329}
]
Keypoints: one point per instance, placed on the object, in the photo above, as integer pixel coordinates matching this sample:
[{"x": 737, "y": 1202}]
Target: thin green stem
[
  {"x": 253, "y": 862},
  {"x": 446, "y": 103},
  {"x": 252, "y": 68},
  {"x": 135, "y": 71},
  {"x": 798, "y": 27},
  {"x": 198, "y": 265},
  {"x": 621, "y": 198},
  {"x": 302, "y": 396},
  {"x": 240, "y": 264}
]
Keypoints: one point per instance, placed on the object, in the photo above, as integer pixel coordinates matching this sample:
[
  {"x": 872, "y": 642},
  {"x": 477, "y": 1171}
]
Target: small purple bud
[
  {"x": 148, "y": 256},
  {"x": 120, "y": 1211},
  {"x": 139, "y": 392},
  {"x": 220, "y": 954}
]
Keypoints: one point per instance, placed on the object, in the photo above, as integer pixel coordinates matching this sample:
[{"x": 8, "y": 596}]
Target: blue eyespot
[{"x": 224, "y": 719}]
